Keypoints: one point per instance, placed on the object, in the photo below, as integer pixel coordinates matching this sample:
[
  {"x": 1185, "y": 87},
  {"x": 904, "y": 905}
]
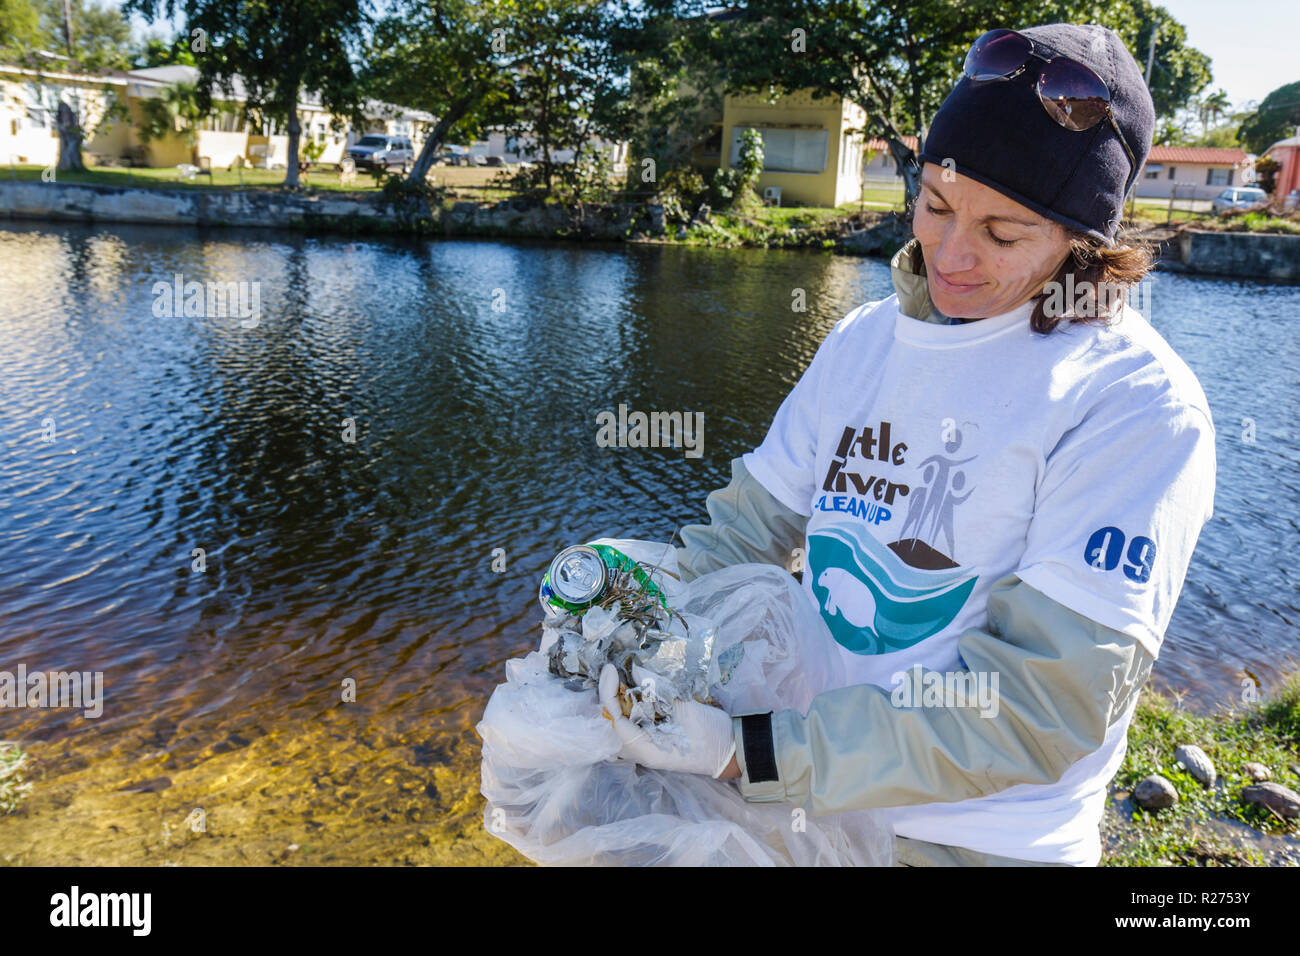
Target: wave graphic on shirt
[{"x": 872, "y": 600}]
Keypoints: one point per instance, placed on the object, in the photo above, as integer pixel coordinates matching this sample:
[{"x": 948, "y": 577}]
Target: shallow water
[{"x": 373, "y": 560}]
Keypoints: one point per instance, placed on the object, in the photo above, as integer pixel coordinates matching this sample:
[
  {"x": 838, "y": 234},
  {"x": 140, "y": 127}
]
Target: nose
[{"x": 956, "y": 251}]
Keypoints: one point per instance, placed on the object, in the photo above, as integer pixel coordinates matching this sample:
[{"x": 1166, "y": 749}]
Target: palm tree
[{"x": 1211, "y": 107}]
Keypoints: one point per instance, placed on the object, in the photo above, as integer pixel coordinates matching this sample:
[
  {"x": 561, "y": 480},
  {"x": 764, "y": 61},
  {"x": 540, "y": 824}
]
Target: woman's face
[{"x": 984, "y": 254}]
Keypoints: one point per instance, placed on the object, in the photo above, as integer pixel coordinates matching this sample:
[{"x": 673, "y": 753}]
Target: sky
[{"x": 1253, "y": 45}]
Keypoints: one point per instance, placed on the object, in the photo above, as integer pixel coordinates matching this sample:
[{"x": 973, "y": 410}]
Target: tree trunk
[
  {"x": 544, "y": 129},
  {"x": 437, "y": 136},
  {"x": 70, "y": 137},
  {"x": 67, "y": 28},
  {"x": 295, "y": 131},
  {"x": 907, "y": 164}
]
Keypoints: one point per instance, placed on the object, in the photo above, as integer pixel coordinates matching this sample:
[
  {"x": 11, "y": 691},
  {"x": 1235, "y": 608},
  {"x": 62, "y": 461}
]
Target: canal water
[{"x": 358, "y": 487}]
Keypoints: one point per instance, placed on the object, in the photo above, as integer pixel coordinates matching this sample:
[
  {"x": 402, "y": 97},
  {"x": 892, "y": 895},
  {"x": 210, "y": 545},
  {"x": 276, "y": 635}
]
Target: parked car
[
  {"x": 1240, "y": 197},
  {"x": 496, "y": 161},
  {"x": 377, "y": 150}
]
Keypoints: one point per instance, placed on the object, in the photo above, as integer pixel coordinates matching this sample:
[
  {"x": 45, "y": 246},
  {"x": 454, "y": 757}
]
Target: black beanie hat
[{"x": 998, "y": 133}]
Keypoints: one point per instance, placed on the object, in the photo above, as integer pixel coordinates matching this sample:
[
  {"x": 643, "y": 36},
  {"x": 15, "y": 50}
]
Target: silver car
[
  {"x": 378, "y": 150},
  {"x": 1240, "y": 197}
]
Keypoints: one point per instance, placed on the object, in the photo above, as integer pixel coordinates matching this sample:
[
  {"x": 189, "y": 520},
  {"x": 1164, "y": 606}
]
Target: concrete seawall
[
  {"x": 194, "y": 207},
  {"x": 1241, "y": 255},
  {"x": 318, "y": 211}
]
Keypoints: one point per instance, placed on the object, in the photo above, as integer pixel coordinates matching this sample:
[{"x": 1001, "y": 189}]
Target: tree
[
  {"x": 91, "y": 37},
  {"x": 1210, "y": 107},
  {"x": 1266, "y": 170},
  {"x": 1178, "y": 72},
  {"x": 543, "y": 70},
  {"x": 94, "y": 36},
  {"x": 20, "y": 29},
  {"x": 566, "y": 89},
  {"x": 751, "y": 157},
  {"x": 175, "y": 110},
  {"x": 278, "y": 51},
  {"x": 1277, "y": 118},
  {"x": 898, "y": 59},
  {"x": 157, "y": 50},
  {"x": 673, "y": 93},
  {"x": 447, "y": 57},
  {"x": 1223, "y": 136}
]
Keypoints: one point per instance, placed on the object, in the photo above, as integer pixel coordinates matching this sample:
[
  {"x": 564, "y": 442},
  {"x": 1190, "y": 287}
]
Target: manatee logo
[{"x": 878, "y": 598}]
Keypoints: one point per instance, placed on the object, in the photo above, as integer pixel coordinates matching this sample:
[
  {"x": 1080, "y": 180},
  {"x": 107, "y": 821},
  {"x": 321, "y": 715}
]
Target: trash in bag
[
  {"x": 744, "y": 637},
  {"x": 605, "y": 607}
]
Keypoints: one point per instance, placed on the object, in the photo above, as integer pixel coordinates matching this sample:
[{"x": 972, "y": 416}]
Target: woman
[{"x": 997, "y": 477}]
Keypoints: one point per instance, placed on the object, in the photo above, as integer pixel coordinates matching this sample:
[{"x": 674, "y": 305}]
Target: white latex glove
[{"x": 706, "y": 743}]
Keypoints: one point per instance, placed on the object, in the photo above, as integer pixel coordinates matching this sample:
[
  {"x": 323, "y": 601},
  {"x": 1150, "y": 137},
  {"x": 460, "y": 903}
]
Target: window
[
  {"x": 1153, "y": 174},
  {"x": 1171, "y": 172},
  {"x": 1218, "y": 177},
  {"x": 787, "y": 150}
]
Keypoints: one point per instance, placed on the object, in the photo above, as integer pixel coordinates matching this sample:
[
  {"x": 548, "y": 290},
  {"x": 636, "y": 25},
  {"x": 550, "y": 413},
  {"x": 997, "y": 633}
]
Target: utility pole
[
  {"x": 1151, "y": 50},
  {"x": 1151, "y": 58},
  {"x": 67, "y": 26}
]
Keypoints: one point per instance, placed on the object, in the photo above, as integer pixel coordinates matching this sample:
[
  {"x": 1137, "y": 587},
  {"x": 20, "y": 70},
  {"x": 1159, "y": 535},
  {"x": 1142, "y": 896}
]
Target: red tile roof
[
  {"x": 1197, "y": 154},
  {"x": 878, "y": 144}
]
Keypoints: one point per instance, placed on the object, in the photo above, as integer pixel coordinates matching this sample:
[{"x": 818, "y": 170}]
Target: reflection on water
[{"x": 470, "y": 373}]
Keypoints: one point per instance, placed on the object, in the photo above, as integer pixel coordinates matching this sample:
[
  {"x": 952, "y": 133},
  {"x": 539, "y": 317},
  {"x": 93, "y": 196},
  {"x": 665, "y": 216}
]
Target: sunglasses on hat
[{"x": 1072, "y": 94}]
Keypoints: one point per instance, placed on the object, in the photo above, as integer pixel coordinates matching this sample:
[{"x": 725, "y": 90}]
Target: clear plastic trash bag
[{"x": 557, "y": 793}]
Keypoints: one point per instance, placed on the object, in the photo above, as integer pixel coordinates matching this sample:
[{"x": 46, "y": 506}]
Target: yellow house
[
  {"x": 224, "y": 135},
  {"x": 111, "y": 107},
  {"x": 812, "y": 148},
  {"x": 29, "y": 104}
]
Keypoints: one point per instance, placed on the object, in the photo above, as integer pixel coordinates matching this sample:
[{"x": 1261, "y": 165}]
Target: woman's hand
[{"x": 706, "y": 743}]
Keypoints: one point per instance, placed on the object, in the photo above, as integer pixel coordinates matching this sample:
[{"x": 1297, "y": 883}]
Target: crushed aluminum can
[{"x": 580, "y": 575}]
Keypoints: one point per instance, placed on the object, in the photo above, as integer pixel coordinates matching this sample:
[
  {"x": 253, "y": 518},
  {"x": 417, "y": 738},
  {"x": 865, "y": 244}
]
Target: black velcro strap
[{"x": 760, "y": 755}]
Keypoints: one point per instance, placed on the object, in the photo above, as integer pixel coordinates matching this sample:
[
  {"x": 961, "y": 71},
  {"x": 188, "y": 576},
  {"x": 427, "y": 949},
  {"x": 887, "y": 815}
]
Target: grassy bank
[
  {"x": 1266, "y": 222},
  {"x": 1207, "y": 826},
  {"x": 13, "y": 787},
  {"x": 772, "y": 227}
]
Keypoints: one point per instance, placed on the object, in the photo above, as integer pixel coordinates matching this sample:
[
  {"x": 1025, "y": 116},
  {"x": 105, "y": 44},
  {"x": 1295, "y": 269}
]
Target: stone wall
[
  {"x": 195, "y": 207},
  {"x": 1242, "y": 255},
  {"x": 319, "y": 211}
]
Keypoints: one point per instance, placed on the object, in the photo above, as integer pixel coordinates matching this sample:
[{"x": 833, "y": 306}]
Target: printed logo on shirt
[
  {"x": 872, "y": 600},
  {"x": 870, "y": 477},
  {"x": 1105, "y": 545},
  {"x": 878, "y": 598}
]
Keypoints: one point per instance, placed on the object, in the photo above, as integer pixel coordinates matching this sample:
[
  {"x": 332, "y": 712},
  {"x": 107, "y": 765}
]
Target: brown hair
[{"x": 1091, "y": 265}]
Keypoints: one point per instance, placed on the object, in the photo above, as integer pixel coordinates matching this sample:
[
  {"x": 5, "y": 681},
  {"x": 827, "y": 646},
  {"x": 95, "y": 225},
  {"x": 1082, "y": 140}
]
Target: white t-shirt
[{"x": 933, "y": 459}]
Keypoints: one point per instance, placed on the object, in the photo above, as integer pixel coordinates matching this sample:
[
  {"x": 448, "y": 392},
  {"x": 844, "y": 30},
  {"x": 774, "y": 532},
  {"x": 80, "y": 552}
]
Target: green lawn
[
  {"x": 168, "y": 177},
  {"x": 1206, "y": 826}
]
